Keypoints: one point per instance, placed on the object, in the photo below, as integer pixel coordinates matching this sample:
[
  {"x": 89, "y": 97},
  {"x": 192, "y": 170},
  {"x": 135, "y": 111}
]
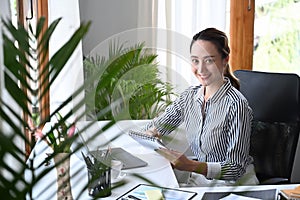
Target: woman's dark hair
[{"x": 220, "y": 40}]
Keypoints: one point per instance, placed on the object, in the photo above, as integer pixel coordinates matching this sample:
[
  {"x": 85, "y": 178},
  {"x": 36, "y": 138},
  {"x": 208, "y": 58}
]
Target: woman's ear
[{"x": 225, "y": 60}]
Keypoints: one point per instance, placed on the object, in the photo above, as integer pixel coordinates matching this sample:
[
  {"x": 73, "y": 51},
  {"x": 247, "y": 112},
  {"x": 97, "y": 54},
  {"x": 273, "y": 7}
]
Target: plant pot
[{"x": 62, "y": 165}]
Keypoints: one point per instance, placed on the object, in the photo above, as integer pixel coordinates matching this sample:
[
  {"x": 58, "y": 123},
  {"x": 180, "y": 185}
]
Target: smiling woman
[{"x": 216, "y": 116}]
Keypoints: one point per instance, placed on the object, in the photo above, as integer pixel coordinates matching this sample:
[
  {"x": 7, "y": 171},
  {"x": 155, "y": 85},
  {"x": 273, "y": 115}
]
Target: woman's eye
[
  {"x": 208, "y": 60},
  {"x": 195, "y": 61}
]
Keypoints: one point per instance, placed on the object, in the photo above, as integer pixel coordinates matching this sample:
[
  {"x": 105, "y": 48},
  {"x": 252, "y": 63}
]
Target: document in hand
[
  {"x": 147, "y": 140},
  {"x": 150, "y": 192}
]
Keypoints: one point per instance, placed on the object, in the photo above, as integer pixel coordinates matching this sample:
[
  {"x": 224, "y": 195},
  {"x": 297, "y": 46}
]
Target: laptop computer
[{"x": 117, "y": 153}]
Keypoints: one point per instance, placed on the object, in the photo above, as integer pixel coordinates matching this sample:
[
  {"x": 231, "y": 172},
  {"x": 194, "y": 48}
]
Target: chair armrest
[{"x": 275, "y": 181}]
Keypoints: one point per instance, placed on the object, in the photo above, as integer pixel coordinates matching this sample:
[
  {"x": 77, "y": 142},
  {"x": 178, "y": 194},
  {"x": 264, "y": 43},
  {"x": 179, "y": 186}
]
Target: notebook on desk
[{"x": 129, "y": 161}]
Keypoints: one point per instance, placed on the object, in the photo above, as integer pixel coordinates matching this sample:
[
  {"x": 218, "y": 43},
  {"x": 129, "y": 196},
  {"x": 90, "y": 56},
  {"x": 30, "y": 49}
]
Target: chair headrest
[{"x": 272, "y": 96}]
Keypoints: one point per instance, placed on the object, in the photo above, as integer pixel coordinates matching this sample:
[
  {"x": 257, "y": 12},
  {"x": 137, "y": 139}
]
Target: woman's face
[{"x": 207, "y": 63}]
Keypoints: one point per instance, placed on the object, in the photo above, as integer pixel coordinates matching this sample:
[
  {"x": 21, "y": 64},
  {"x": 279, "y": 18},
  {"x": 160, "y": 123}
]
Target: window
[{"x": 277, "y": 36}]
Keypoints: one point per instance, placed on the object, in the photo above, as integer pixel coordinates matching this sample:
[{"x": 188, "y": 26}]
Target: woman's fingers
[
  {"x": 153, "y": 132},
  {"x": 170, "y": 155},
  {"x": 177, "y": 159}
]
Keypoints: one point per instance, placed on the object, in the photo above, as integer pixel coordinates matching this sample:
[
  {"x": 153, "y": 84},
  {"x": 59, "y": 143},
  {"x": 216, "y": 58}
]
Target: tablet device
[{"x": 143, "y": 191}]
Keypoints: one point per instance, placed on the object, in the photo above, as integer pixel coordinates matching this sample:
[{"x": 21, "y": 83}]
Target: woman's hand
[
  {"x": 153, "y": 132},
  {"x": 181, "y": 162},
  {"x": 177, "y": 159}
]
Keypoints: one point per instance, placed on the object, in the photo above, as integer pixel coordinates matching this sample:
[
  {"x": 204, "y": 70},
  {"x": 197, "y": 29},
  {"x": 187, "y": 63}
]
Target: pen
[
  {"x": 87, "y": 161},
  {"x": 133, "y": 197}
]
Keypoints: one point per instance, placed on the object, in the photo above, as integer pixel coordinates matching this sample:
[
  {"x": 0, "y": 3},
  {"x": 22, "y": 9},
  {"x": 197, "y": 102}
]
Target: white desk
[
  {"x": 201, "y": 190},
  {"x": 158, "y": 169}
]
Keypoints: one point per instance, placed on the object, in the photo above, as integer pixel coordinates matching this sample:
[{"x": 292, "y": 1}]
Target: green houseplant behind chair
[{"x": 274, "y": 99}]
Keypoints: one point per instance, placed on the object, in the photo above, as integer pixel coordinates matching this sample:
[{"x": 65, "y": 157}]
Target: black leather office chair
[{"x": 274, "y": 98}]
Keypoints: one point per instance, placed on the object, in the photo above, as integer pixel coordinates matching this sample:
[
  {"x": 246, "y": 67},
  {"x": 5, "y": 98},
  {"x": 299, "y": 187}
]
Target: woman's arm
[
  {"x": 239, "y": 131},
  {"x": 170, "y": 119}
]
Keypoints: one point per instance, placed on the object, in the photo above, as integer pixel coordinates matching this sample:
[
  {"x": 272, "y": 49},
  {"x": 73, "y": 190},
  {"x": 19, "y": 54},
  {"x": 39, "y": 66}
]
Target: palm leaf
[{"x": 16, "y": 59}]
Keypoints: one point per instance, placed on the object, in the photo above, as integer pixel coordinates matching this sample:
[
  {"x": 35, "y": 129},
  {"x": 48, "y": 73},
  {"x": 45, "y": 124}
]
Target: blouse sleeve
[
  {"x": 239, "y": 131},
  {"x": 169, "y": 120}
]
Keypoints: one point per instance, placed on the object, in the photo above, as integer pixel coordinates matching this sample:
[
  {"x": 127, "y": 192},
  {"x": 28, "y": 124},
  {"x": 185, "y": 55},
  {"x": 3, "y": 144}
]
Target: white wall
[
  {"x": 5, "y": 13},
  {"x": 108, "y": 18},
  {"x": 3, "y": 6},
  {"x": 71, "y": 76}
]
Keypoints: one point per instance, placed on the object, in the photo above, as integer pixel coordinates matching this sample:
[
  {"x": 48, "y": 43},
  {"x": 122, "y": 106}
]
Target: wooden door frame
[
  {"x": 241, "y": 34},
  {"x": 41, "y": 10}
]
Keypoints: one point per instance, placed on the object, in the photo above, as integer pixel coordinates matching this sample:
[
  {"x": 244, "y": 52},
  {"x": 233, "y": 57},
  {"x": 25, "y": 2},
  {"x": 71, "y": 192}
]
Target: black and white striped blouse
[{"x": 218, "y": 131}]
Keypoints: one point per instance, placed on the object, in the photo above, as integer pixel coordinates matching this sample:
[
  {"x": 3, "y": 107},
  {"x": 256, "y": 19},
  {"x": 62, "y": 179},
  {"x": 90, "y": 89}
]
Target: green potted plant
[
  {"x": 13, "y": 184},
  {"x": 130, "y": 78}
]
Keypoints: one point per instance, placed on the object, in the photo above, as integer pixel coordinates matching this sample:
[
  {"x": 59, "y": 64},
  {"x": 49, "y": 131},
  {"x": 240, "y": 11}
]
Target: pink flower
[
  {"x": 37, "y": 132},
  {"x": 71, "y": 130},
  {"x": 59, "y": 138}
]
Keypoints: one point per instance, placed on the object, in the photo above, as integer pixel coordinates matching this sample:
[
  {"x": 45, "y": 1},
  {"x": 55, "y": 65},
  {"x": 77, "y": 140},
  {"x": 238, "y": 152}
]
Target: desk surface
[{"x": 158, "y": 170}]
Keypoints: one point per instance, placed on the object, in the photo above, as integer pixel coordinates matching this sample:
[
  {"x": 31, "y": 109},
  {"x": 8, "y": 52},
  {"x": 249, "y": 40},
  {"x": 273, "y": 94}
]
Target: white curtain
[{"x": 177, "y": 22}]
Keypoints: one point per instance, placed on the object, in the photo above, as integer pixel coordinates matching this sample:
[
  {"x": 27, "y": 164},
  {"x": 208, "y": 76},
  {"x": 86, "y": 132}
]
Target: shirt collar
[
  {"x": 222, "y": 90},
  {"x": 217, "y": 96}
]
